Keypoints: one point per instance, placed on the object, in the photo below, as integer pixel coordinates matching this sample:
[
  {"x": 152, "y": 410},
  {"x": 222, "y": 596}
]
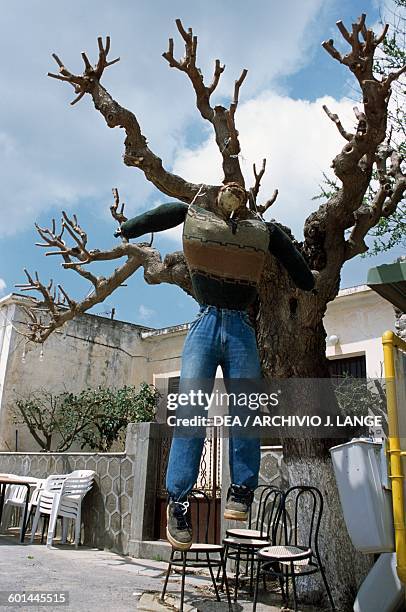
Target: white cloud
[
  {"x": 299, "y": 142},
  {"x": 145, "y": 314},
  {"x": 54, "y": 155},
  {"x": 2, "y": 286}
]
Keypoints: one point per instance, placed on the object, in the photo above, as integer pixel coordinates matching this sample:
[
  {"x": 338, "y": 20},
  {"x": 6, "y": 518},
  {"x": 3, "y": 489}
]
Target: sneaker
[
  {"x": 239, "y": 500},
  {"x": 178, "y": 527}
]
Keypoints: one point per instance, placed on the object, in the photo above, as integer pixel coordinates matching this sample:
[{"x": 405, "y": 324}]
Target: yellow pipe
[{"x": 389, "y": 341}]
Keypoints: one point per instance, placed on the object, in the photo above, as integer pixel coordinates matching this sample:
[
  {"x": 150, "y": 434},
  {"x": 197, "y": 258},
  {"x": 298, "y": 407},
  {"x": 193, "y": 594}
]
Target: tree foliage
[{"x": 94, "y": 418}]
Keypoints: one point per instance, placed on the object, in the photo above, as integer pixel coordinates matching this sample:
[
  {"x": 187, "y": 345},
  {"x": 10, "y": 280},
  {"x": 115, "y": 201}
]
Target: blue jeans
[{"x": 217, "y": 337}]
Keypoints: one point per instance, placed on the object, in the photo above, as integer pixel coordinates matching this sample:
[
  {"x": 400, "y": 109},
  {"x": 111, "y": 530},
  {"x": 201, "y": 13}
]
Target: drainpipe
[{"x": 390, "y": 341}]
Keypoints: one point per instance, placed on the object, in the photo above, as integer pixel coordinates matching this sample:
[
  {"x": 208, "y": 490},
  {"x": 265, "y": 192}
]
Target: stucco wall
[
  {"x": 88, "y": 352},
  {"x": 359, "y": 317}
]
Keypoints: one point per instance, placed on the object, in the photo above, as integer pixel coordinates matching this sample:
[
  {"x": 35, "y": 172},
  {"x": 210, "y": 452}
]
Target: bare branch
[
  {"x": 117, "y": 214},
  {"x": 255, "y": 189},
  {"x": 218, "y": 70},
  {"x": 325, "y": 245},
  {"x": 59, "y": 307},
  {"x": 393, "y": 76},
  {"x": 330, "y": 48},
  {"x": 347, "y": 135},
  {"x": 76, "y": 232},
  {"x": 384, "y": 203},
  {"x": 188, "y": 65},
  {"x": 264, "y": 207},
  {"x": 380, "y": 38},
  {"x": 83, "y": 84},
  {"x": 221, "y": 119},
  {"x": 231, "y": 114},
  {"x": 137, "y": 152},
  {"x": 344, "y": 32}
]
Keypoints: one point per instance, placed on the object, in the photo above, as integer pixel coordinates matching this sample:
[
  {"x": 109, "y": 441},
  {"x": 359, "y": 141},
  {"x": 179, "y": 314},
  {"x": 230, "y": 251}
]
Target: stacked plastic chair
[{"x": 61, "y": 497}]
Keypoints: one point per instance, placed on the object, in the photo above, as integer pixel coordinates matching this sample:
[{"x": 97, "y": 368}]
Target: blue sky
[{"x": 56, "y": 157}]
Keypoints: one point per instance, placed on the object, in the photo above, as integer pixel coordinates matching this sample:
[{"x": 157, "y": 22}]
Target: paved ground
[{"x": 101, "y": 580}]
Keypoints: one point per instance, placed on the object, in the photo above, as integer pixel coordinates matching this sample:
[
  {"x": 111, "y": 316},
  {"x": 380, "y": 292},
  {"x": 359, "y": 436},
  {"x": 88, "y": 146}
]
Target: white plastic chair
[
  {"x": 63, "y": 499},
  {"x": 15, "y": 498},
  {"x": 51, "y": 485}
]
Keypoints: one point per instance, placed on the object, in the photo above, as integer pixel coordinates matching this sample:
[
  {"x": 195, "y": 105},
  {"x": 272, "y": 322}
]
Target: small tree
[
  {"x": 54, "y": 420},
  {"x": 95, "y": 417},
  {"x": 115, "y": 410}
]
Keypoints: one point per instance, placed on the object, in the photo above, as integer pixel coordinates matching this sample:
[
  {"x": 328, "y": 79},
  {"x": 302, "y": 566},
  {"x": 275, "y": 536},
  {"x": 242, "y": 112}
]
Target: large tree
[{"x": 289, "y": 322}]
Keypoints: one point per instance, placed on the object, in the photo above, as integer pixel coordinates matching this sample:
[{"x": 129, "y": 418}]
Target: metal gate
[{"x": 209, "y": 480}]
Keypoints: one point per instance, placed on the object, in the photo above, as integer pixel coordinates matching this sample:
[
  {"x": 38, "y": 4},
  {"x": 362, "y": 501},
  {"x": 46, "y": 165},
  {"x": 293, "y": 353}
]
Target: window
[
  {"x": 173, "y": 384},
  {"x": 348, "y": 366}
]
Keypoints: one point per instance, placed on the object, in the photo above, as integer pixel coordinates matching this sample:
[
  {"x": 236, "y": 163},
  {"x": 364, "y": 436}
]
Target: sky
[{"x": 56, "y": 157}]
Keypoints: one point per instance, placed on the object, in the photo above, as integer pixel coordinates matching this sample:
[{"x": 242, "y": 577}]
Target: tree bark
[{"x": 291, "y": 339}]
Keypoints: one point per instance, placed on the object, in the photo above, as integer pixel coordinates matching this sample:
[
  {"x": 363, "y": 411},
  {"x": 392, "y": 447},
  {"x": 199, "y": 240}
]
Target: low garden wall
[
  {"x": 119, "y": 511},
  {"x": 106, "y": 510}
]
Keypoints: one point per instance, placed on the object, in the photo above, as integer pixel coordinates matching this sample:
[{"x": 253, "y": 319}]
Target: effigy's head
[{"x": 232, "y": 197}]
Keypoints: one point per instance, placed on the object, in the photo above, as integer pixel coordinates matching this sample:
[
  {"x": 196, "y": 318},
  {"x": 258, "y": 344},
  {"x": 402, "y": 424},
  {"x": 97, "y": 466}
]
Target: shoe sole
[
  {"x": 174, "y": 543},
  {"x": 235, "y": 515}
]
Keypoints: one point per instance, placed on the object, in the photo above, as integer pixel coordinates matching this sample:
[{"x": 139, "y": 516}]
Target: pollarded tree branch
[
  {"x": 325, "y": 244},
  {"x": 137, "y": 152},
  {"x": 59, "y": 307},
  {"x": 334, "y": 117},
  {"x": 264, "y": 207},
  {"x": 222, "y": 119},
  {"x": 255, "y": 189},
  {"x": 188, "y": 65},
  {"x": 117, "y": 214},
  {"x": 392, "y": 186}
]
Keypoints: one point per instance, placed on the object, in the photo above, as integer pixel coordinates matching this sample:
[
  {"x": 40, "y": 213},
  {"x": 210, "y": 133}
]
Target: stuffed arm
[
  {"x": 281, "y": 246},
  {"x": 156, "y": 220}
]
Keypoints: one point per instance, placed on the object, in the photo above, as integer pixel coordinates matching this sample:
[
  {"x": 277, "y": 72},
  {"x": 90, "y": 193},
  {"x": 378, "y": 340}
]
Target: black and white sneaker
[
  {"x": 178, "y": 527},
  {"x": 239, "y": 500}
]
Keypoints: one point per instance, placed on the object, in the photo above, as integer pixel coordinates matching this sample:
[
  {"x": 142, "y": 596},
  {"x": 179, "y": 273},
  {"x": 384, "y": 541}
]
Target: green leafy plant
[
  {"x": 95, "y": 418},
  {"x": 115, "y": 410}
]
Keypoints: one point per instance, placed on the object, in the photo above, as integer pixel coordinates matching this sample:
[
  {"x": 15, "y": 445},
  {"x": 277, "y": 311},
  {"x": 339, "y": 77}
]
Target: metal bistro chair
[
  {"x": 241, "y": 544},
  {"x": 299, "y": 555},
  {"x": 193, "y": 556}
]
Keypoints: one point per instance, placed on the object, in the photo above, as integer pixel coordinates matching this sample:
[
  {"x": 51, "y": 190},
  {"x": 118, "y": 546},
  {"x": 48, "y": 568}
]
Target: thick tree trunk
[{"x": 291, "y": 338}]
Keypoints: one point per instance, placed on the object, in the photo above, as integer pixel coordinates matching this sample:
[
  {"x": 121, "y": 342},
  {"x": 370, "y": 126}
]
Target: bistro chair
[
  {"x": 241, "y": 544},
  {"x": 201, "y": 554},
  {"x": 299, "y": 519}
]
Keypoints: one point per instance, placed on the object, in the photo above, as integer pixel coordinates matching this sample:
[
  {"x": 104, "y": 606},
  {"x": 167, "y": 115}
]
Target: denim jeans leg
[
  {"x": 199, "y": 365},
  {"x": 241, "y": 361}
]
